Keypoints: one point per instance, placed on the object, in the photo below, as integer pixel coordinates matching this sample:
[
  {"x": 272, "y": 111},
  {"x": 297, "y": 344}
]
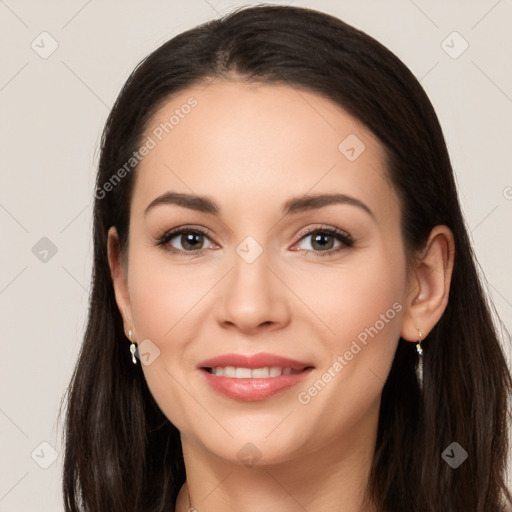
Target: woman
[{"x": 285, "y": 311}]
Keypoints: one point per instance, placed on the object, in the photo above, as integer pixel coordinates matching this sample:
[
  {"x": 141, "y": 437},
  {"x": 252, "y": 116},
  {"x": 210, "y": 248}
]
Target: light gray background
[{"x": 52, "y": 113}]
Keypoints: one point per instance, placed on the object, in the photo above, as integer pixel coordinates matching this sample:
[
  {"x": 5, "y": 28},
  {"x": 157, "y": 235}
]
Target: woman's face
[{"x": 272, "y": 271}]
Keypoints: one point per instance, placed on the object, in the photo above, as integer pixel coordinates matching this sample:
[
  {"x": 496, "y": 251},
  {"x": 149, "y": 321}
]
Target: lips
[
  {"x": 260, "y": 360},
  {"x": 253, "y": 377}
]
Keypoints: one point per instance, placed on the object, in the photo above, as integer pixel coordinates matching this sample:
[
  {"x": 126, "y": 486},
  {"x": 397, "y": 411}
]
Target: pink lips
[
  {"x": 260, "y": 360},
  {"x": 252, "y": 389}
]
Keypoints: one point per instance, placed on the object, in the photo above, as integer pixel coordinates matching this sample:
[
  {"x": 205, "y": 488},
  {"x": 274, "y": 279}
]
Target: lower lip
[{"x": 253, "y": 389}]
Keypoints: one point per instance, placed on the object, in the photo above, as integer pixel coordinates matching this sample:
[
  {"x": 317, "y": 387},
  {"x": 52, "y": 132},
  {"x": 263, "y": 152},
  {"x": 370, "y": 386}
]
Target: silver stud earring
[
  {"x": 419, "y": 364},
  {"x": 133, "y": 347}
]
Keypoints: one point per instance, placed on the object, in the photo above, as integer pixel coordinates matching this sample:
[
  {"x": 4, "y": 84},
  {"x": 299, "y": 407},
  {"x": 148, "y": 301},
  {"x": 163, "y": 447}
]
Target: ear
[
  {"x": 429, "y": 285},
  {"x": 118, "y": 271}
]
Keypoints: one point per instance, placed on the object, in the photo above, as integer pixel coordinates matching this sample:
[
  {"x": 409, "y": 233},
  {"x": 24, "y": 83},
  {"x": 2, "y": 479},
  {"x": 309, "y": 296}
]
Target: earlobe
[
  {"x": 119, "y": 278},
  {"x": 429, "y": 284}
]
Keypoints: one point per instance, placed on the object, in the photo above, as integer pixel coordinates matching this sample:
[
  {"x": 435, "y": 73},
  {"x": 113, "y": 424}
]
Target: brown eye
[
  {"x": 184, "y": 240},
  {"x": 323, "y": 241},
  {"x": 189, "y": 241}
]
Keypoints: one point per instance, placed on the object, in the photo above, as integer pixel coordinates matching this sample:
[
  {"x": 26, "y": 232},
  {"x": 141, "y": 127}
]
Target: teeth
[
  {"x": 243, "y": 373},
  {"x": 275, "y": 372},
  {"x": 229, "y": 371},
  {"x": 248, "y": 373},
  {"x": 260, "y": 373}
]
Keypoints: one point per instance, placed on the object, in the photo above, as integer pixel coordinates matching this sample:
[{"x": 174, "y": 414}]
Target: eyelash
[{"x": 346, "y": 240}]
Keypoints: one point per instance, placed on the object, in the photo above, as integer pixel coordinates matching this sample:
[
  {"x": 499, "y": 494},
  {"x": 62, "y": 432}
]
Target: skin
[{"x": 250, "y": 148}]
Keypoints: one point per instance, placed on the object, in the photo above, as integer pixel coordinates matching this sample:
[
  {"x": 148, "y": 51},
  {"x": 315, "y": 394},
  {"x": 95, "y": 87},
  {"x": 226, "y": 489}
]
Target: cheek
[
  {"x": 362, "y": 304},
  {"x": 154, "y": 306},
  {"x": 353, "y": 296},
  {"x": 165, "y": 301},
  {"x": 161, "y": 293},
  {"x": 377, "y": 291}
]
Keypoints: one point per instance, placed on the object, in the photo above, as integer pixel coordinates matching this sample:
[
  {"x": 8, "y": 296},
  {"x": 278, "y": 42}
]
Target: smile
[
  {"x": 251, "y": 373},
  {"x": 252, "y": 377}
]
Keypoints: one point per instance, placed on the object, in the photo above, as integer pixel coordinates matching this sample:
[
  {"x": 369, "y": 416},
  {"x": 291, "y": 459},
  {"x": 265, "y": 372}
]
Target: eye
[
  {"x": 189, "y": 240},
  {"x": 323, "y": 241}
]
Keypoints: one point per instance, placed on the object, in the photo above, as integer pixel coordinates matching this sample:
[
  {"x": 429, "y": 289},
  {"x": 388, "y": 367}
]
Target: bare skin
[{"x": 250, "y": 148}]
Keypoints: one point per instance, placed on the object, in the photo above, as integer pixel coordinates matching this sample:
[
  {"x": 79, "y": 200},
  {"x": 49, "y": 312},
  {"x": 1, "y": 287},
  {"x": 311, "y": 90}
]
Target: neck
[{"x": 333, "y": 477}]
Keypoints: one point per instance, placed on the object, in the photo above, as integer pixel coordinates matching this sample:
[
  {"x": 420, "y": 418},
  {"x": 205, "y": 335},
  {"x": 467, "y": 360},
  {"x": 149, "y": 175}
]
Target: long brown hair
[{"x": 122, "y": 454}]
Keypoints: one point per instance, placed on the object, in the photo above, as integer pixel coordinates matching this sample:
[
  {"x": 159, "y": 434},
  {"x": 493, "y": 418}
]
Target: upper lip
[{"x": 260, "y": 360}]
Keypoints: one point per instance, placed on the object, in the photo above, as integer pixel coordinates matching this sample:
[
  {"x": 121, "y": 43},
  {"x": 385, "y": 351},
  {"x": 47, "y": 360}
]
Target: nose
[{"x": 253, "y": 297}]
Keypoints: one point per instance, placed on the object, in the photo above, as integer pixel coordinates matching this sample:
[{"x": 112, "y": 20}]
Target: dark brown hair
[{"x": 122, "y": 454}]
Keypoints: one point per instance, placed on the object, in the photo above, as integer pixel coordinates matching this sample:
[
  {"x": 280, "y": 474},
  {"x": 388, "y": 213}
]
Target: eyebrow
[{"x": 293, "y": 205}]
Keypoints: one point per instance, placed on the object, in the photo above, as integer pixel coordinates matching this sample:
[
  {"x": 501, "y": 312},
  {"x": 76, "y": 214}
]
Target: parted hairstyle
[{"x": 121, "y": 452}]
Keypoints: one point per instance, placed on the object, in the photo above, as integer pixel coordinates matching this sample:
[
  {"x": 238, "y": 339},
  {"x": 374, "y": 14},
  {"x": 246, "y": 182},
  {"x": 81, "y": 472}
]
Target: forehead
[{"x": 256, "y": 144}]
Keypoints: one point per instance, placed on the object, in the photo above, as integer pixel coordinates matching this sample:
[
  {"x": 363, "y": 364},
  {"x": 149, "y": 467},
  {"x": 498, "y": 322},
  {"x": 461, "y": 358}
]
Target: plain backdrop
[{"x": 53, "y": 107}]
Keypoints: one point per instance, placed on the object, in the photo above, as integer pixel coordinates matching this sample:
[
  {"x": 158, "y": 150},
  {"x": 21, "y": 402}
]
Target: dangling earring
[
  {"x": 419, "y": 365},
  {"x": 133, "y": 347}
]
